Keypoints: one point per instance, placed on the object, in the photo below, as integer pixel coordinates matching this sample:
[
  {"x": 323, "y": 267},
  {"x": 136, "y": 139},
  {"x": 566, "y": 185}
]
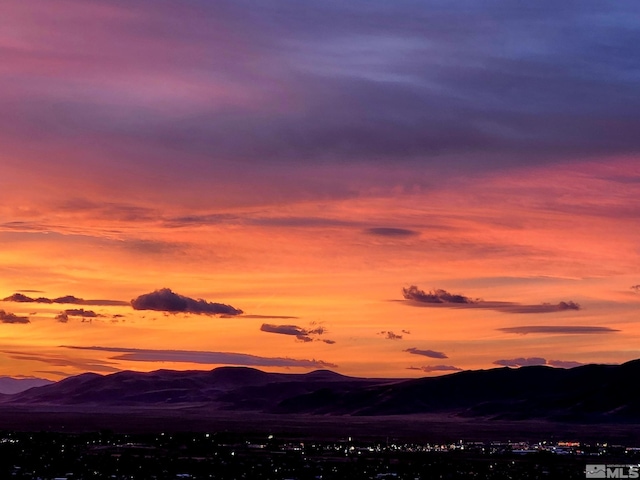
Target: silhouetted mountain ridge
[
  {"x": 593, "y": 393},
  {"x": 10, "y": 385}
]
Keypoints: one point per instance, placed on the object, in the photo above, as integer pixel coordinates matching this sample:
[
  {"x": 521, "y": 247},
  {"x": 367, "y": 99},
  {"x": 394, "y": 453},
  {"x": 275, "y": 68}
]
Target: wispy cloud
[
  {"x": 442, "y": 298},
  {"x": 391, "y": 232},
  {"x": 389, "y": 335},
  {"x": 436, "y": 368},
  {"x": 108, "y": 210},
  {"x": 558, "y": 329},
  {"x": 167, "y": 301},
  {"x": 564, "y": 363},
  {"x": 426, "y": 353},
  {"x": 256, "y": 219},
  {"x": 521, "y": 362},
  {"x": 57, "y": 373},
  {"x": 204, "y": 357},
  {"x": 81, "y": 312},
  {"x": 361, "y": 82},
  {"x": 80, "y": 364},
  {"x": 283, "y": 329},
  {"x": 302, "y": 334}
]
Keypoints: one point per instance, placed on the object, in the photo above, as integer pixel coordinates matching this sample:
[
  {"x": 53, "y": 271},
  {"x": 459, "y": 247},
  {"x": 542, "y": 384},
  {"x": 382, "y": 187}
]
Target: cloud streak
[
  {"x": 283, "y": 329},
  {"x": 426, "y": 353},
  {"x": 521, "y": 362},
  {"x": 436, "y": 368},
  {"x": 534, "y": 361},
  {"x": 165, "y": 300},
  {"x": 302, "y": 334},
  {"x": 204, "y": 357},
  {"x": 80, "y": 364},
  {"x": 68, "y": 299},
  {"x": 81, "y": 312},
  {"x": 441, "y": 298},
  {"x": 558, "y": 330},
  {"x": 391, "y": 232}
]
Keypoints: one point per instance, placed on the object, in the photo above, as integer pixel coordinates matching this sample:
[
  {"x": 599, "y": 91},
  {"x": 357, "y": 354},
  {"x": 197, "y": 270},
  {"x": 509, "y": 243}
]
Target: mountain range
[
  {"x": 10, "y": 385},
  {"x": 589, "y": 393}
]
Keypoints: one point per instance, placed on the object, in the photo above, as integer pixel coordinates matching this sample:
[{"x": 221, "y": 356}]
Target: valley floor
[{"x": 423, "y": 428}]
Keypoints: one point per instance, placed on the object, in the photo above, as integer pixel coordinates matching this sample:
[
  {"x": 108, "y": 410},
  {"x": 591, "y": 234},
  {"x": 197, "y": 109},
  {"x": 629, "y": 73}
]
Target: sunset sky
[{"x": 382, "y": 188}]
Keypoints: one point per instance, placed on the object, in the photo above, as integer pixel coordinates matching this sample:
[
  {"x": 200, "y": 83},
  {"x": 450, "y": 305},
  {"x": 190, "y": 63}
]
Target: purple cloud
[
  {"x": 521, "y": 362},
  {"x": 389, "y": 335},
  {"x": 434, "y": 296},
  {"x": 21, "y": 298},
  {"x": 69, "y": 299},
  {"x": 558, "y": 329},
  {"x": 205, "y": 357},
  {"x": 439, "y": 297},
  {"x": 167, "y": 301},
  {"x": 436, "y": 368},
  {"x": 340, "y": 83},
  {"x": 283, "y": 329},
  {"x": 81, "y": 312},
  {"x": 564, "y": 363},
  {"x": 6, "y": 317},
  {"x": 531, "y": 361},
  {"x": 391, "y": 232},
  {"x": 426, "y": 353},
  {"x": 81, "y": 364},
  {"x": 301, "y": 334}
]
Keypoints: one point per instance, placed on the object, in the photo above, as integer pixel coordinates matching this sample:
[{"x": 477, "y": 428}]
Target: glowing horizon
[{"x": 307, "y": 171}]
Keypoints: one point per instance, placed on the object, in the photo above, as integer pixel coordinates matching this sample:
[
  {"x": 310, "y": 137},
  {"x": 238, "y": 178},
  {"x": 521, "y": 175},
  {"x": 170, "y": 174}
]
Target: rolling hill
[{"x": 590, "y": 393}]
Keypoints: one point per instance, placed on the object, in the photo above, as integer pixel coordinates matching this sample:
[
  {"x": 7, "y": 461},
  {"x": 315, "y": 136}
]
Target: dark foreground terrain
[
  {"x": 234, "y": 455},
  {"x": 126, "y": 443},
  {"x": 239, "y": 423},
  {"x": 424, "y": 427}
]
